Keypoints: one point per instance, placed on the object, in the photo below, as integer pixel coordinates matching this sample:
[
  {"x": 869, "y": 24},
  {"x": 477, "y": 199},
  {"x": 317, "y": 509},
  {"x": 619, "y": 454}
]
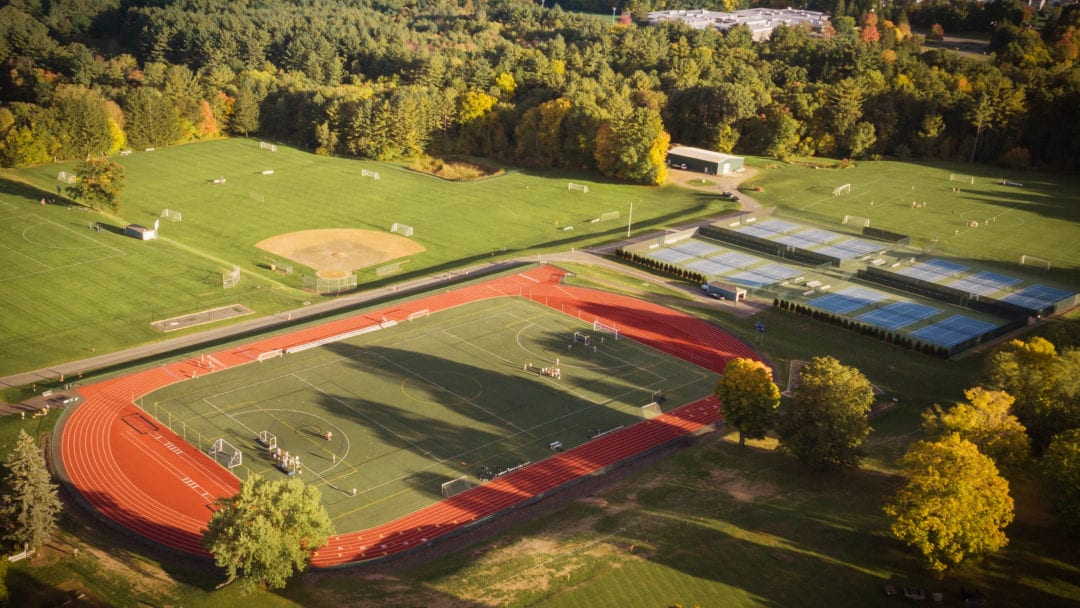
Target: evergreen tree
[{"x": 30, "y": 502}]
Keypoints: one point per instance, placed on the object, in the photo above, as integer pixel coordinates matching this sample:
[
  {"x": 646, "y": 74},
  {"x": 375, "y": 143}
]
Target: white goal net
[
  {"x": 600, "y": 326},
  {"x": 841, "y": 189},
  {"x": 226, "y": 454},
  {"x": 402, "y": 229},
  {"x": 651, "y": 410},
  {"x": 958, "y": 177},
  {"x": 854, "y": 220},
  {"x": 455, "y": 486},
  {"x": 67, "y": 178},
  {"x": 267, "y": 146},
  {"x": 230, "y": 279},
  {"x": 172, "y": 216},
  {"x": 371, "y": 174},
  {"x": 579, "y": 187}
]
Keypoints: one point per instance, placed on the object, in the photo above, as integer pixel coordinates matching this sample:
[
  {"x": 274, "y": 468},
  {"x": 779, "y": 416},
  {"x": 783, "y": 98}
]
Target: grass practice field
[
  {"x": 427, "y": 401},
  {"x": 71, "y": 292},
  {"x": 1040, "y": 216}
]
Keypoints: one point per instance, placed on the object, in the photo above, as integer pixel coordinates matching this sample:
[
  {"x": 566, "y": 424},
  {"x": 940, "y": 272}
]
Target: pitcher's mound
[{"x": 336, "y": 252}]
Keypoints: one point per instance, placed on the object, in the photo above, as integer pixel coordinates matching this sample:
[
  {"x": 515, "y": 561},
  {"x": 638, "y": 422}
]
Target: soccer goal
[
  {"x": 268, "y": 439},
  {"x": 270, "y": 354},
  {"x": 602, "y": 327},
  {"x": 230, "y": 279},
  {"x": 455, "y": 486},
  {"x": 418, "y": 314},
  {"x": 172, "y": 216},
  {"x": 651, "y": 410},
  {"x": 610, "y": 215},
  {"x": 841, "y": 189},
  {"x": 1030, "y": 260},
  {"x": 372, "y": 174},
  {"x": 255, "y": 196},
  {"x": 226, "y": 454},
  {"x": 958, "y": 177},
  {"x": 402, "y": 229},
  {"x": 854, "y": 220},
  {"x": 579, "y": 187},
  {"x": 581, "y": 338},
  {"x": 67, "y": 178},
  {"x": 267, "y": 146}
]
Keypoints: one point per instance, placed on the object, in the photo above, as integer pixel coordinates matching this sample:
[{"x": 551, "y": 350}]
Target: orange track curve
[{"x": 139, "y": 474}]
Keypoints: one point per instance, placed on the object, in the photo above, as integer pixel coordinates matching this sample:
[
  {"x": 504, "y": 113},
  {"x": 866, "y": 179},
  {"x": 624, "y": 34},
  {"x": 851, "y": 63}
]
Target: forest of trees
[{"x": 533, "y": 84}]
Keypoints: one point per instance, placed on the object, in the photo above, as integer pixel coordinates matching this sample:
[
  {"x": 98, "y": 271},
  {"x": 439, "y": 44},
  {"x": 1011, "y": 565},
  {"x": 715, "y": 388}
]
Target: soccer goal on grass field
[
  {"x": 1030, "y": 260},
  {"x": 651, "y": 410},
  {"x": 580, "y": 338},
  {"x": 267, "y": 146},
  {"x": 455, "y": 486},
  {"x": 371, "y": 174},
  {"x": 854, "y": 220},
  {"x": 402, "y": 229},
  {"x": 268, "y": 439},
  {"x": 602, "y": 327},
  {"x": 172, "y": 216},
  {"x": 230, "y": 279},
  {"x": 958, "y": 177},
  {"x": 841, "y": 189},
  {"x": 226, "y": 454},
  {"x": 67, "y": 178},
  {"x": 580, "y": 187}
]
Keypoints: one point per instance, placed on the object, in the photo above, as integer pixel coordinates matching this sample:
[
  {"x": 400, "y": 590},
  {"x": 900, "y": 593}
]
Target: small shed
[
  {"x": 140, "y": 232},
  {"x": 724, "y": 291},
  {"x": 703, "y": 161}
]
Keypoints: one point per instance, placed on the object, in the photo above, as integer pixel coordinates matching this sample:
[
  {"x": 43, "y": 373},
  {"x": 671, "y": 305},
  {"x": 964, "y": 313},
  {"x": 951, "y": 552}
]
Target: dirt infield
[{"x": 335, "y": 252}]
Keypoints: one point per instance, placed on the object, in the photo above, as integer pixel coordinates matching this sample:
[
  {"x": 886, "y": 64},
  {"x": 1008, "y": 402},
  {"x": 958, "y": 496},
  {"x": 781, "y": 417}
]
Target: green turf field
[
  {"x": 1040, "y": 218},
  {"x": 415, "y": 405},
  {"x": 71, "y": 292}
]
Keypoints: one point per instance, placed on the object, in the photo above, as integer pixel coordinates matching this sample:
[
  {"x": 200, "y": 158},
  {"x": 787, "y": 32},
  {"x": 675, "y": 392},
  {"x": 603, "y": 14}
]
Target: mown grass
[
  {"x": 1041, "y": 219},
  {"x": 71, "y": 292}
]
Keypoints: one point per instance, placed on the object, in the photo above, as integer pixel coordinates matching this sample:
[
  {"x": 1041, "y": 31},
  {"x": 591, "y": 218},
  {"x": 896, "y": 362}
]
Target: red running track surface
[{"x": 141, "y": 475}]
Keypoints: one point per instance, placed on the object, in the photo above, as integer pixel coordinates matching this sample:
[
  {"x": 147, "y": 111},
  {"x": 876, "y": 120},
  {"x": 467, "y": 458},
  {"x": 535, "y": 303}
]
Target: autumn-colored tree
[
  {"x": 954, "y": 504},
  {"x": 986, "y": 421},
  {"x": 633, "y": 148},
  {"x": 99, "y": 183},
  {"x": 749, "y": 398},
  {"x": 829, "y": 415}
]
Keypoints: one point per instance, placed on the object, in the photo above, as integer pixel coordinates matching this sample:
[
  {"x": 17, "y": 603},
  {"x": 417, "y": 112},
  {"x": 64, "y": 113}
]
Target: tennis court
[
  {"x": 397, "y": 412},
  {"x": 849, "y": 249},
  {"x": 899, "y": 314},
  {"x": 671, "y": 256},
  {"x": 935, "y": 270},
  {"x": 848, "y": 299},
  {"x": 769, "y": 228},
  {"x": 953, "y": 330},
  {"x": 764, "y": 275},
  {"x": 983, "y": 283},
  {"x": 695, "y": 248},
  {"x": 1037, "y": 297}
]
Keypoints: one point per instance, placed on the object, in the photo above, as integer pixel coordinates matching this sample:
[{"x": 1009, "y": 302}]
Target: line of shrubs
[
  {"x": 664, "y": 267},
  {"x": 865, "y": 329}
]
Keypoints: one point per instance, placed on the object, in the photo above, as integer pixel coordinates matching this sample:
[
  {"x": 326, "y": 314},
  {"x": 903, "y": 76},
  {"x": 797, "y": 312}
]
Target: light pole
[
  {"x": 630, "y": 220},
  {"x": 613, "y": 15}
]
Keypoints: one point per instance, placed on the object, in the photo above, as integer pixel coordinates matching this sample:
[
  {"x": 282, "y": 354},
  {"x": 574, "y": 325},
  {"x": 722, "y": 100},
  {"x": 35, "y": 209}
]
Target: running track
[{"x": 139, "y": 474}]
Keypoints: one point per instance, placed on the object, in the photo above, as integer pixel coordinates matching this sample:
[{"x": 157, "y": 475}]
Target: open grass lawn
[
  {"x": 70, "y": 292},
  {"x": 424, "y": 402},
  {"x": 1041, "y": 218}
]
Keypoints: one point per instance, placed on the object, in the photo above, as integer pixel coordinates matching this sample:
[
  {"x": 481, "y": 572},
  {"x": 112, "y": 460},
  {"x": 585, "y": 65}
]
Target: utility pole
[
  {"x": 613, "y": 15},
  {"x": 630, "y": 220}
]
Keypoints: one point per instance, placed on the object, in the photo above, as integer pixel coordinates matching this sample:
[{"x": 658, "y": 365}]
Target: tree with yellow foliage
[{"x": 749, "y": 398}]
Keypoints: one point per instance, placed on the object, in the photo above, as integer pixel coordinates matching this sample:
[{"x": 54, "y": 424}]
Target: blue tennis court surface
[
  {"x": 697, "y": 249},
  {"x": 671, "y": 256},
  {"x": 796, "y": 240},
  {"x": 900, "y": 314},
  {"x": 983, "y": 283},
  {"x": 709, "y": 268},
  {"x": 847, "y": 300},
  {"x": 777, "y": 226},
  {"x": 819, "y": 236},
  {"x": 1037, "y": 297},
  {"x": 759, "y": 231},
  {"x": 933, "y": 270},
  {"x": 735, "y": 259},
  {"x": 765, "y": 275},
  {"x": 851, "y": 248},
  {"x": 953, "y": 330}
]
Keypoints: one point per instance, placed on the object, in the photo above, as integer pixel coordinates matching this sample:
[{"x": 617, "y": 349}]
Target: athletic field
[
  {"x": 71, "y": 291},
  {"x": 409, "y": 407},
  {"x": 953, "y": 210}
]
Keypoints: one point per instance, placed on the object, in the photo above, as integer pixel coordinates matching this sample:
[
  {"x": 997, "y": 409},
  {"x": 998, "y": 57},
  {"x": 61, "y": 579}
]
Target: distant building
[
  {"x": 761, "y": 21},
  {"x": 703, "y": 161}
]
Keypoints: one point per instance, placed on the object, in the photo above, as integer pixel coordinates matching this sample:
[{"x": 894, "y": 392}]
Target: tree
[
  {"x": 633, "y": 148},
  {"x": 749, "y": 397},
  {"x": 954, "y": 505},
  {"x": 267, "y": 531},
  {"x": 99, "y": 183},
  {"x": 30, "y": 502},
  {"x": 1061, "y": 464},
  {"x": 828, "y": 419},
  {"x": 1046, "y": 385},
  {"x": 986, "y": 421}
]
